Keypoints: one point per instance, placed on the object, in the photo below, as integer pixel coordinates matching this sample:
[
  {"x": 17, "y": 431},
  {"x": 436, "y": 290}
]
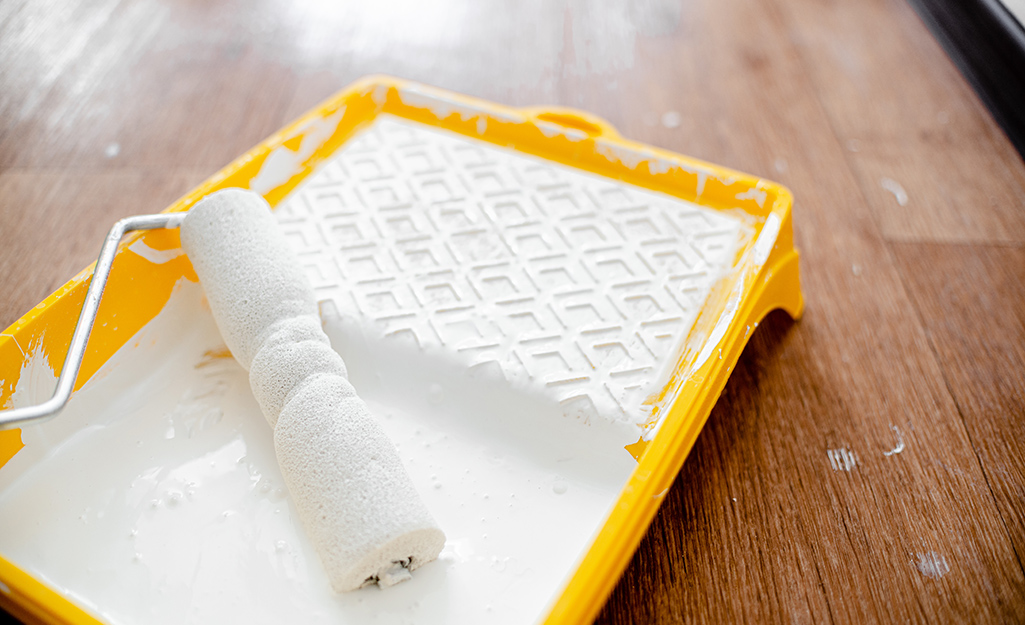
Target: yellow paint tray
[{"x": 564, "y": 304}]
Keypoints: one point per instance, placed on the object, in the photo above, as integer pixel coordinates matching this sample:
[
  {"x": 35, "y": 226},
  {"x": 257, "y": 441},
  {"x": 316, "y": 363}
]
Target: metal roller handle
[{"x": 16, "y": 417}]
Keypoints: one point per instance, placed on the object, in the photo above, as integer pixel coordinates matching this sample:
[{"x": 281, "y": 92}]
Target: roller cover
[{"x": 355, "y": 499}]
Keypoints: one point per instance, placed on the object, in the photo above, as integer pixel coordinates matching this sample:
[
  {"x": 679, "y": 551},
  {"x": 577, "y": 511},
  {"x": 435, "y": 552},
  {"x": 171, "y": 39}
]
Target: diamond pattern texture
[{"x": 562, "y": 282}]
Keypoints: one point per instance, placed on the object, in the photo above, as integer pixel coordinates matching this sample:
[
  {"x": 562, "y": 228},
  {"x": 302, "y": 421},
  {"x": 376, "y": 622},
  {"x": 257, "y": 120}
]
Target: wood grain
[
  {"x": 903, "y": 113},
  {"x": 913, "y": 330}
]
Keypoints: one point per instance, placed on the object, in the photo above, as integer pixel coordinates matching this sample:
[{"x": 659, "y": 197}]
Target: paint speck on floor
[
  {"x": 932, "y": 564},
  {"x": 112, "y": 150},
  {"x": 894, "y": 187},
  {"x": 899, "y": 447},
  {"x": 842, "y": 459},
  {"x": 671, "y": 119}
]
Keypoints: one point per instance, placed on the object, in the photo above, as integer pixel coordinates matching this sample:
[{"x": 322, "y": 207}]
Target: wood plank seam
[{"x": 950, "y": 390}]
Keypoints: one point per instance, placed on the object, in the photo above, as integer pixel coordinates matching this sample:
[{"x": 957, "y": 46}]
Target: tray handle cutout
[{"x": 592, "y": 125}]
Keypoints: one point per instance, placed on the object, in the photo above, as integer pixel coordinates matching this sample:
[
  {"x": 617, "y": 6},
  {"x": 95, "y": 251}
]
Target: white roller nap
[{"x": 353, "y": 495}]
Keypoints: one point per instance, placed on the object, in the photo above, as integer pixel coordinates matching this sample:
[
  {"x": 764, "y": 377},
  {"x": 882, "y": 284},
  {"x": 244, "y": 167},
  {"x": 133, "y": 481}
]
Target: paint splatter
[
  {"x": 894, "y": 187},
  {"x": 932, "y": 564},
  {"x": 754, "y": 193},
  {"x": 671, "y": 119},
  {"x": 899, "y": 447},
  {"x": 283, "y": 162},
  {"x": 37, "y": 380},
  {"x": 842, "y": 459}
]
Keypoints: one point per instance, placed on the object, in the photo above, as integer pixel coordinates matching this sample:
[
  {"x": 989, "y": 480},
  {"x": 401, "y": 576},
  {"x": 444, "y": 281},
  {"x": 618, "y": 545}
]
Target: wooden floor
[{"x": 910, "y": 216}]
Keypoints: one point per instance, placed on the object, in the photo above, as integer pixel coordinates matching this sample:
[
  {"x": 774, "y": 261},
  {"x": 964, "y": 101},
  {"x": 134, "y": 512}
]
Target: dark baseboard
[{"x": 987, "y": 44}]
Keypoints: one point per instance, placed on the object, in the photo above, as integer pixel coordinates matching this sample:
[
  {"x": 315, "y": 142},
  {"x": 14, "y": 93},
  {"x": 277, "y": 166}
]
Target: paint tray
[{"x": 540, "y": 312}]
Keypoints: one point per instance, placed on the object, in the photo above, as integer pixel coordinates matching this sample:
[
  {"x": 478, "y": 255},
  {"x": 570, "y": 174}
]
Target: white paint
[
  {"x": 394, "y": 575},
  {"x": 900, "y": 442},
  {"x": 618, "y": 154},
  {"x": 671, "y": 119},
  {"x": 550, "y": 130},
  {"x": 781, "y": 165},
  {"x": 659, "y": 166},
  {"x": 894, "y": 187},
  {"x": 112, "y": 150},
  {"x": 721, "y": 326},
  {"x": 37, "y": 380},
  {"x": 157, "y": 257},
  {"x": 158, "y": 498},
  {"x": 711, "y": 345},
  {"x": 932, "y": 564},
  {"x": 575, "y": 134},
  {"x": 754, "y": 193},
  {"x": 283, "y": 163},
  {"x": 842, "y": 459},
  {"x": 441, "y": 106},
  {"x": 766, "y": 239}
]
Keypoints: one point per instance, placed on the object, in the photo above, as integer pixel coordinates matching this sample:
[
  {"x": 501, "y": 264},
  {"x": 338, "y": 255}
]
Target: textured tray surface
[{"x": 570, "y": 284}]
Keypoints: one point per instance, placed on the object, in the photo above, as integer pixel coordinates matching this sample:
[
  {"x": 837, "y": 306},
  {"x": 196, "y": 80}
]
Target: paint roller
[{"x": 354, "y": 497}]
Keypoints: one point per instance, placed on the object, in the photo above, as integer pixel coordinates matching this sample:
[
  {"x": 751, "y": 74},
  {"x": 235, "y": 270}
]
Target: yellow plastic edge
[
  {"x": 777, "y": 286},
  {"x": 31, "y": 602},
  {"x": 563, "y": 135}
]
